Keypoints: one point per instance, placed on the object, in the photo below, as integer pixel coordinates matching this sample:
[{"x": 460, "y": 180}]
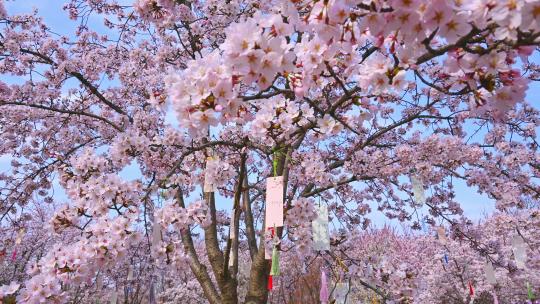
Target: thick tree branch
[
  {"x": 37, "y": 106},
  {"x": 199, "y": 270}
]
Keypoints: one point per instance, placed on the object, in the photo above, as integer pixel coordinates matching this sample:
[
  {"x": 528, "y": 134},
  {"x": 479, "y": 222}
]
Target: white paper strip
[
  {"x": 274, "y": 202},
  {"x": 210, "y": 186},
  {"x": 113, "y": 297},
  {"x": 418, "y": 190},
  {"x": 519, "y": 248},
  {"x": 490, "y": 273},
  {"x": 517, "y": 241},
  {"x": 520, "y": 255},
  {"x": 232, "y": 236},
  {"x": 321, "y": 236},
  {"x": 340, "y": 292},
  {"x": 232, "y": 229},
  {"x": 130, "y": 274},
  {"x": 156, "y": 234},
  {"x": 369, "y": 274},
  {"x": 152, "y": 293}
]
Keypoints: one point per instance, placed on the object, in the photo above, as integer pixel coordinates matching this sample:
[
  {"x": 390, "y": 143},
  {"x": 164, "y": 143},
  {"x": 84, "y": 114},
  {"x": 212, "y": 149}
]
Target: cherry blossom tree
[{"x": 357, "y": 104}]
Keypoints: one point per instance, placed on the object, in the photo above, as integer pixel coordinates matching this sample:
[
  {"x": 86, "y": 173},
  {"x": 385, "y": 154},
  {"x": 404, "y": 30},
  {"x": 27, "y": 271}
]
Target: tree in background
[{"x": 355, "y": 104}]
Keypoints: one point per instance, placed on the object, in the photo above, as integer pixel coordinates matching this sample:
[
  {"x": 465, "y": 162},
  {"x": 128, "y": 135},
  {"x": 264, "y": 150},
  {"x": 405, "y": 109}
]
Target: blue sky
[{"x": 476, "y": 206}]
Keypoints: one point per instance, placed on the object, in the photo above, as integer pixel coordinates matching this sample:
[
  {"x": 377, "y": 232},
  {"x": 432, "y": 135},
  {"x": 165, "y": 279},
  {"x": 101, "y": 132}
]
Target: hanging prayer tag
[
  {"x": 130, "y": 274},
  {"x": 304, "y": 268},
  {"x": 232, "y": 232},
  {"x": 152, "y": 293},
  {"x": 495, "y": 298},
  {"x": 156, "y": 234},
  {"x": 99, "y": 282},
  {"x": 321, "y": 237},
  {"x": 323, "y": 294},
  {"x": 20, "y": 236},
  {"x": 113, "y": 297},
  {"x": 517, "y": 241},
  {"x": 441, "y": 233},
  {"x": 418, "y": 190},
  {"x": 209, "y": 184},
  {"x": 520, "y": 256},
  {"x": 274, "y": 202},
  {"x": 520, "y": 251},
  {"x": 341, "y": 291},
  {"x": 232, "y": 236},
  {"x": 490, "y": 273}
]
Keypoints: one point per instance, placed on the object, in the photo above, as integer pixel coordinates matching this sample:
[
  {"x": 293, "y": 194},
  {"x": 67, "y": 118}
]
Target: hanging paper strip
[
  {"x": 441, "y": 234},
  {"x": 270, "y": 283},
  {"x": 495, "y": 298},
  {"x": 209, "y": 184},
  {"x": 418, "y": 190},
  {"x": 274, "y": 202},
  {"x": 490, "y": 273},
  {"x": 304, "y": 267},
  {"x": 520, "y": 256},
  {"x": 156, "y": 234},
  {"x": 520, "y": 251},
  {"x": 232, "y": 230},
  {"x": 323, "y": 294},
  {"x": 341, "y": 291},
  {"x": 232, "y": 236},
  {"x": 99, "y": 282},
  {"x": 152, "y": 293},
  {"x": 14, "y": 255},
  {"x": 130, "y": 274},
  {"x": 424, "y": 227},
  {"x": 274, "y": 270},
  {"x": 530, "y": 293},
  {"x": 368, "y": 274},
  {"x": 471, "y": 289},
  {"x": 517, "y": 241},
  {"x": 113, "y": 297},
  {"x": 446, "y": 258},
  {"x": 321, "y": 236},
  {"x": 20, "y": 236}
]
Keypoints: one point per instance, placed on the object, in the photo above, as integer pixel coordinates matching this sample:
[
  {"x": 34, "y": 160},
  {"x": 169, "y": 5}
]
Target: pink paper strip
[{"x": 274, "y": 202}]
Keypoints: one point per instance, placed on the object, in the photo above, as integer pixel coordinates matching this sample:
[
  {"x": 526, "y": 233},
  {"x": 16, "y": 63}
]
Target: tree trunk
[{"x": 258, "y": 279}]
